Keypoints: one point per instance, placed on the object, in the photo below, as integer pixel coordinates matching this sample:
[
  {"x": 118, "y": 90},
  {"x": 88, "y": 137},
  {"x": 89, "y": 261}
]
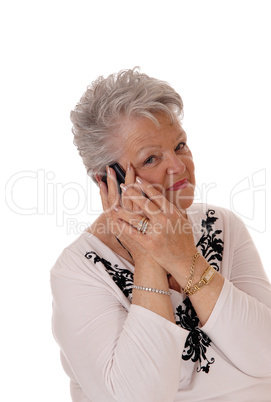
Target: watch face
[
  {"x": 204, "y": 280},
  {"x": 209, "y": 274}
]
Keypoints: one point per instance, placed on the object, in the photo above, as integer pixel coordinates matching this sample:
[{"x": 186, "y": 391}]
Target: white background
[{"x": 216, "y": 54}]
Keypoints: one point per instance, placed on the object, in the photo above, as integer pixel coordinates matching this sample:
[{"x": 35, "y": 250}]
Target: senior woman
[{"x": 160, "y": 299}]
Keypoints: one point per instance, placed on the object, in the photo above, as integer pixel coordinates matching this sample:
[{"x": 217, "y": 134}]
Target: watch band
[{"x": 205, "y": 279}]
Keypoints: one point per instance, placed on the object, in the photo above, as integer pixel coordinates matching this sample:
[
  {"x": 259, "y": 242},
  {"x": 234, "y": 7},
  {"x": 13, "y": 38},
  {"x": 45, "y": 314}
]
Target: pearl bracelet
[{"x": 162, "y": 292}]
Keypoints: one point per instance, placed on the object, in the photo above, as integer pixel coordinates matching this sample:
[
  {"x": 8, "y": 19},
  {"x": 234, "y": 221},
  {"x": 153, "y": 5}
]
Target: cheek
[
  {"x": 154, "y": 176},
  {"x": 190, "y": 164}
]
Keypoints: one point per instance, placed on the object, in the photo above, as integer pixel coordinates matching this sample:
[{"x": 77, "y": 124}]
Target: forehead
[{"x": 143, "y": 132}]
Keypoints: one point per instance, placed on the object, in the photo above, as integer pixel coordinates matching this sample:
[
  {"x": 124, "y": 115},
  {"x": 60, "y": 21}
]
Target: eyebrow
[
  {"x": 147, "y": 146},
  {"x": 182, "y": 134}
]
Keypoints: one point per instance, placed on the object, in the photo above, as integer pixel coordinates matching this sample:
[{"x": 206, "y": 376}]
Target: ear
[{"x": 98, "y": 177}]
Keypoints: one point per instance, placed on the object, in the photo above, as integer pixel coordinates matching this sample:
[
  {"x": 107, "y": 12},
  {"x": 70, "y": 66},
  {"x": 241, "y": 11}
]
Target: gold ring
[{"x": 142, "y": 225}]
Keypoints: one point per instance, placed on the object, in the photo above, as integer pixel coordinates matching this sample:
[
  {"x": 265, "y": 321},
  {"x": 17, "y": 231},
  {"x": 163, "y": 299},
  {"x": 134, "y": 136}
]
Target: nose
[{"x": 175, "y": 165}]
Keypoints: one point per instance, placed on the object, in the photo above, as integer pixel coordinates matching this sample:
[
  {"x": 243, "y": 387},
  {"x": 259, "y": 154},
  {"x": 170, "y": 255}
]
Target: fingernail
[
  {"x": 139, "y": 180},
  {"x": 116, "y": 208},
  {"x": 123, "y": 187},
  {"x": 108, "y": 169},
  {"x": 128, "y": 167}
]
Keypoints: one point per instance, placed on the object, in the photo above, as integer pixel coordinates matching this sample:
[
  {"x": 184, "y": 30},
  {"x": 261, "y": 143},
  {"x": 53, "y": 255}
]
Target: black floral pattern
[
  {"x": 197, "y": 342},
  {"x": 211, "y": 246},
  {"x": 123, "y": 278}
]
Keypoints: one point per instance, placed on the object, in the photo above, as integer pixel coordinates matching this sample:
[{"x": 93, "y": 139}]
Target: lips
[{"x": 179, "y": 185}]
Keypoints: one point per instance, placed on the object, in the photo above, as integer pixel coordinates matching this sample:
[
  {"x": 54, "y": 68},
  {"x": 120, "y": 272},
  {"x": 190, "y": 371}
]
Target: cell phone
[{"x": 120, "y": 174}]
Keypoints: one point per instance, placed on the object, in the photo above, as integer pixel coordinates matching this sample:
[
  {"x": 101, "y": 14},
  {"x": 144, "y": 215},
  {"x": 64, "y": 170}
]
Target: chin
[
  {"x": 187, "y": 204},
  {"x": 181, "y": 200}
]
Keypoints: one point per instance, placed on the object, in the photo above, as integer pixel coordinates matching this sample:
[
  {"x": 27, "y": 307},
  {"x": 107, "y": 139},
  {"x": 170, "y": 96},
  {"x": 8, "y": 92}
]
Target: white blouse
[{"x": 113, "y": 350}]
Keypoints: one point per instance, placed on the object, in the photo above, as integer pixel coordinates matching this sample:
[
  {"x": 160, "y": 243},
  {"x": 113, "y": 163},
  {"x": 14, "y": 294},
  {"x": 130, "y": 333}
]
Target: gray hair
[{"x": 98, "y": 115}]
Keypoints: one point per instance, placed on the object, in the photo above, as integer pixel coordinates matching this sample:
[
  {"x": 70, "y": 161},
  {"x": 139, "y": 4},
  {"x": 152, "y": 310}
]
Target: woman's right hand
[{"x": 111, "y": 199}]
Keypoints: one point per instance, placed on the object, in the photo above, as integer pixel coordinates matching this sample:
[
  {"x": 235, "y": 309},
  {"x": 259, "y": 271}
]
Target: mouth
[{"x": 178, "y": 185}]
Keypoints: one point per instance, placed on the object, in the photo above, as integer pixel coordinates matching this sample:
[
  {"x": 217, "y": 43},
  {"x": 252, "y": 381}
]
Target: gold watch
[{"x": 205, "y": 279}]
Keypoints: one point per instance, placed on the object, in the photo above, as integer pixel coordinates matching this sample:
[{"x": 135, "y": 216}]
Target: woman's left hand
[{"x": 169, "y": 237}]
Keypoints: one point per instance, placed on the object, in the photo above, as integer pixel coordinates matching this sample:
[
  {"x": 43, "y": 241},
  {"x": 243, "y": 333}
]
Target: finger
[
  {"x": 104, "y": 195},
  {"x": 133, "y": 177},
  {"x": 157, "y": 196},
  {"x": 112, "y": 192},
  {"x": 133, "y": 235},
  {"x": 130, "y": 217},
  {"x": 145, "y": 205},
  {"x": 129, "y": 179},
  {"x": 129, "y": 182},
  {"x": 112, "y": 219}
]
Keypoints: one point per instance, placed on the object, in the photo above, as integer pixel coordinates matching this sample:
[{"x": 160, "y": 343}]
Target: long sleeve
[
  {"x": 113, "y": 354},
  {"x": 113, "y": 350},
  {"x": 240, "y": 324}
]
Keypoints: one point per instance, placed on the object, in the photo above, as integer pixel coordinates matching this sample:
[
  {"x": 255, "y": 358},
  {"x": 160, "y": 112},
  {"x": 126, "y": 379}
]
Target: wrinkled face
[{"x": 160, "y": 155}]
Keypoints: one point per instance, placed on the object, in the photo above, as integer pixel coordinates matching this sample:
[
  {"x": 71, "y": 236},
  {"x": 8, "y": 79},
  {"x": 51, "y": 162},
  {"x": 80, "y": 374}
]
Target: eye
[
  {"x": 150, "y": 160},
  {"x": 180, "y": 146}
]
